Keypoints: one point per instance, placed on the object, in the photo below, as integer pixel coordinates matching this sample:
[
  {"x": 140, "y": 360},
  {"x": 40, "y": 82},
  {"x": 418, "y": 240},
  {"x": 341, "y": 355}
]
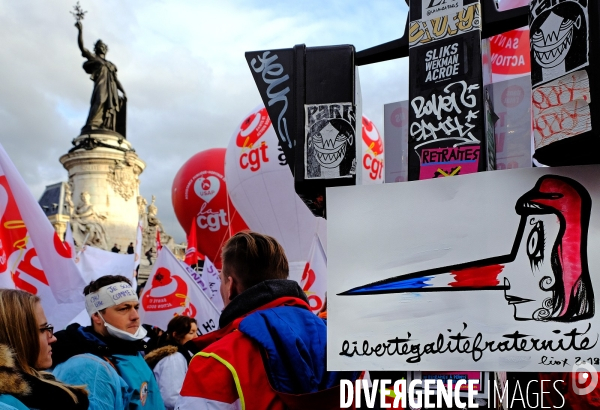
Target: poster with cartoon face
[
  {"x": 330, "y": 150},
  {"x": 559, "y": 37},
  {"x": 493, "y": 271}
]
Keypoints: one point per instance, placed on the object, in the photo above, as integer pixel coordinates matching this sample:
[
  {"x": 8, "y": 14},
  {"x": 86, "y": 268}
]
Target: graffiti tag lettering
[
  {"x": 456, "y": 98},
  {"x": 561, "y": 109},
  {"x": 272, "y": 75}
]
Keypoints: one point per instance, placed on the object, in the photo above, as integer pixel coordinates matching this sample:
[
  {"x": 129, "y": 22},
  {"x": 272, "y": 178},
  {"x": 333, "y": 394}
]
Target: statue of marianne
[{"x": 106, "y": 102}]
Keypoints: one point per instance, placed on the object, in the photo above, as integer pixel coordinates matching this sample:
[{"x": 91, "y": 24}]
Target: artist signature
[{"x": 551, "y": 361}]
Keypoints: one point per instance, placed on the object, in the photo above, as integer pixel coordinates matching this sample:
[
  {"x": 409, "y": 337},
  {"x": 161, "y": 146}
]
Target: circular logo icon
[
  {"x": 513, "y": 96},
  {"x": 144, "y": 393},
  {"x": 399, "y": 117},
  {"x": 207, "y": 187},
  {"x": 585, "y": 378},
  {"x": 253, "y": 128}
]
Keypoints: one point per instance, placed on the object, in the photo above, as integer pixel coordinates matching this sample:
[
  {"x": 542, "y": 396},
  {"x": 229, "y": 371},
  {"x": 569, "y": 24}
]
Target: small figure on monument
[
  {"x": 143, "y": 214},
  {"x": 153, "y": 220},
  {"x": 151, "y": 225},
  {"x": 69, "y": 206},
  {"x": 130, "y": 249},
  {"x": 115, "y": 249},
  {"x": 106, "y": 105},
  {"x": 87, "y": 224}
]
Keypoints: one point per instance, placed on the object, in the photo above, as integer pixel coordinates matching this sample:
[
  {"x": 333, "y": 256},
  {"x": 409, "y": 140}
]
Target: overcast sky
[{"x": 182, "y": 65}]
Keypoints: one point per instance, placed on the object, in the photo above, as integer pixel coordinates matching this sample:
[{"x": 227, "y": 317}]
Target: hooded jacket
[
  {"x": 113, "y": 369},
  {"x": 169, "y": 365},
  {"x": 269, "y": 353},
  {"x": 23, "y": 391}
]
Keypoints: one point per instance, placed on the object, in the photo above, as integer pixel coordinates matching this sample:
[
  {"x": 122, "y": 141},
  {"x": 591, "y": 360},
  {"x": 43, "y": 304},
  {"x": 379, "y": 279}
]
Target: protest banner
[
  {"x": 170, "y": 291},
  {"x": 492, "y": 271}
]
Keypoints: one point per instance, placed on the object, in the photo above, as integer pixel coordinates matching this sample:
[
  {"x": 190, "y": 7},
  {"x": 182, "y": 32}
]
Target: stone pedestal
[{"x": 105, "y": 165}]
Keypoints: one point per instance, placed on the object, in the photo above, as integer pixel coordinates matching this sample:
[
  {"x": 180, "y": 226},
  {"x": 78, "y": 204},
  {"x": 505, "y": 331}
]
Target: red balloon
[{"x": 199, "y": 196}]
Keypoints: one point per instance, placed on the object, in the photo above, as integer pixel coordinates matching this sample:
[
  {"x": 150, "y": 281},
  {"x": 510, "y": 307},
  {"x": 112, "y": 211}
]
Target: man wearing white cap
[{"x": 106, "y": 357}]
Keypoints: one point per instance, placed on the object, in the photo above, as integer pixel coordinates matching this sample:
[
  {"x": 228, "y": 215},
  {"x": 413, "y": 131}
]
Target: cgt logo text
[{"x": 253, "y": 158}]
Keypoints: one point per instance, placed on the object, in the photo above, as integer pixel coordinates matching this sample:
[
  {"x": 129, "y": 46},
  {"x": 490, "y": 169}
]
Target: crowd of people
[{"x": 268, "y": 353}]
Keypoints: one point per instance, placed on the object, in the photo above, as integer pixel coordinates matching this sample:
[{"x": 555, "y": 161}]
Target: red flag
[
  {"x": 158, "y": 244},
  {"x": 32, "y": 256},
  {"x": 192, "y": 255}
]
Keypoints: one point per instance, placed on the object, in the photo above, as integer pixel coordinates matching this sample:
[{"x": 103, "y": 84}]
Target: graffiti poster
[
  {"x": 561, "y": 109},
  {"x": 559, "y": 35},
  {"x": 494, "y": 271},
  {"x": 426, "y": 30},
  {"x": 330, "y": 143},
  {"x": 446, "y": 135},
  {"x": 446, "y": 131}
]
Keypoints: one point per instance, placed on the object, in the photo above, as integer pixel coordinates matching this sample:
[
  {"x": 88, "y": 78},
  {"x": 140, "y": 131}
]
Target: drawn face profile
[
  {"x": 544, "y": 278},
  {"x": 529, "y": 278}
]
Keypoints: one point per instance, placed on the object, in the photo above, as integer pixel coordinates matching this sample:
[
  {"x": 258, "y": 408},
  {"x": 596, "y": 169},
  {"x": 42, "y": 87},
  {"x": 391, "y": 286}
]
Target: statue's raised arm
[
  {"x": 84, "y": 51},
  {"x": 107, "y": 107}
]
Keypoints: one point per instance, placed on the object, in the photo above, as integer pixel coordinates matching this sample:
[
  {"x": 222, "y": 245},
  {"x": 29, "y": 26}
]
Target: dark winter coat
[{"x": 19, "y": 389}]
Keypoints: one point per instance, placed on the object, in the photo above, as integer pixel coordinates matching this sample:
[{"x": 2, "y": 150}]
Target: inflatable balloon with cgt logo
[
  {"x": 372, "y": 153},
  {"x": 199, "y": 196}
]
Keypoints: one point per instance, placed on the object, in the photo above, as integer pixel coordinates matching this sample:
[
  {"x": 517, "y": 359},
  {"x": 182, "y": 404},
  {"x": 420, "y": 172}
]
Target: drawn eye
[{"x": 535, "y": 245}]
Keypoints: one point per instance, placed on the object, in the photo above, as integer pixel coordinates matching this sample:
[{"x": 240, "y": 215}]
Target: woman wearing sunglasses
[{"x": 26, "y": 340}]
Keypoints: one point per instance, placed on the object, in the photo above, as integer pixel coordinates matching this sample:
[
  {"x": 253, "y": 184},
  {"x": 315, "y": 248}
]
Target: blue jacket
[
  {"x": 8, "y": 402},
  {"x": 114, "y": 371},
  {"x": 295, "y": 342}
]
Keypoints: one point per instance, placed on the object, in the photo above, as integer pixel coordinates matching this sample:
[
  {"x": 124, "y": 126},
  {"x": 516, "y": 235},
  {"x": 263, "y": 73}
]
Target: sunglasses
[{"x": 48, "y": 328}]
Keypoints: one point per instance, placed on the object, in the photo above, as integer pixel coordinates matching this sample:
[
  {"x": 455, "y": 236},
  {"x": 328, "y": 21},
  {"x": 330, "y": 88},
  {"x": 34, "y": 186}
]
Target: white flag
[
  {"x": 94, "y": 263},
  {"x": 138, "y": 246},
  {"x": 314, "y": 277},
  {"x": 170, "y": 291},
  {"x": 211, "y": 278},
  {"x": 32, "y": 256}
]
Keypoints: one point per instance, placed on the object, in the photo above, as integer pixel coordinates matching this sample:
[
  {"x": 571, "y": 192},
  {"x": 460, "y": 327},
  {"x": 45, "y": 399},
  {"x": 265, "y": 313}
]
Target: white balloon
[
  {"x": 372, "y": 154},
  {"x": 261, "y": 187}
]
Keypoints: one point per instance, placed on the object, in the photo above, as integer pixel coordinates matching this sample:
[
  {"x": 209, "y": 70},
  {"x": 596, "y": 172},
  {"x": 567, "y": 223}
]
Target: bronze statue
[{"x": 107, "y": 109}]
